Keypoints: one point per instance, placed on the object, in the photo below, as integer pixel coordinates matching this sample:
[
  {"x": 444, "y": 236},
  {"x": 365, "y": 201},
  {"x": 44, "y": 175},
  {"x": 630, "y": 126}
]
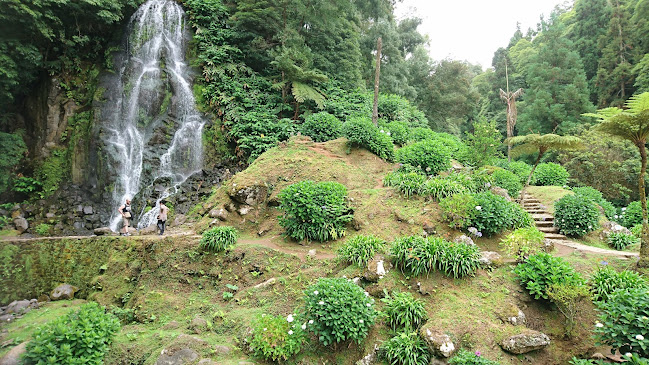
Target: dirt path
[{"x": 292, "y": 249}]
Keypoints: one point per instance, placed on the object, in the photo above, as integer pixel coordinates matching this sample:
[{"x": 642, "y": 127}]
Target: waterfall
[{"x": 151, "y": 101}]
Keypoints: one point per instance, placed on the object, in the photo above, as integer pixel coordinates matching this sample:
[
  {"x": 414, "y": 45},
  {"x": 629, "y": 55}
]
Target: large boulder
[
  {"x": 609, "y": 227},
  {"x": 103, "y": 231},
  {"x": 63, "y": 291},
  {"x": 219, "y": 213},
  {"x": 21, "y": 306},
  {"x": 439, "y": 343},
  {"x": 179, "y": 357},
  {"x": 490, "y": 259},
  {"x": 13, "y": 357},
  {"x": 525, "y": 342},
  {"x": 249, "y": 195},
  {"x": 21, "y": 224}
]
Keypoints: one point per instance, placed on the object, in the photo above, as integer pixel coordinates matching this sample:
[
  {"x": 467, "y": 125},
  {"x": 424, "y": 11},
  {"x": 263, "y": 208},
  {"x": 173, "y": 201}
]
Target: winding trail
[{"x": 545, "y": 223}]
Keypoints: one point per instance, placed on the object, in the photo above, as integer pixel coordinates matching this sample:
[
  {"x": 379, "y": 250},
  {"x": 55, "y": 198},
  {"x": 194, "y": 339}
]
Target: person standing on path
[
  {"x": 162, "y": 217},
  {"x": 125, "y": 211}
]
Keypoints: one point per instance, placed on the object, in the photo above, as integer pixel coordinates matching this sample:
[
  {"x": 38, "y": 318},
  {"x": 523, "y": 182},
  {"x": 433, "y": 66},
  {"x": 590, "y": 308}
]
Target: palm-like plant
[
  {"x": 632, "y": 124},
  {"x": 533, "y": 143}
]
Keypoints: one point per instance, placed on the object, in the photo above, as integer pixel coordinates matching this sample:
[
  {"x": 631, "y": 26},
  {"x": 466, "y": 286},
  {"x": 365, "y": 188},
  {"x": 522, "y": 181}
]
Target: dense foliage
[
  {"x": 338, "y": 310},
  {"x": 606, "y": 280},
  {"x": 431, "y": 156},
  {"x": 360, "y": 249},
  {"x": 417, "y": 255},
  {"x": 218, "y": 239},
  {"x": 523, "y": 242},
  {"x": 550, "y": 174},
  {"x": 314, "y": 211},
  {"x": 322, "y": 127},
  {"x": 624, "y": 321},
  {"x": 575, "y": 216},
  {"x": 464, "y": 357},
  {"x": 621, "y": 240},
  {"x": 631, "y": 215},
  {"x": 406, "y": 348},
  {"x": 277, "y": 338},
  {"x": 538, "y": 272},
  {"x": 81, "y": 337},
  {"x": 361, "y": 132},
  {"x": 508, "y": 181},
  {"x": 404, "y": 311},
  {"x": 493, "y": 214}
]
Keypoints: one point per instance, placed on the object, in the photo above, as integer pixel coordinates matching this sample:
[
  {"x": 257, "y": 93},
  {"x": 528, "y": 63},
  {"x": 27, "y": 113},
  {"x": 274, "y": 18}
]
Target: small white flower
[
  {"x": 321, "y": 302},
  {"x": 477, "y": 207},
  {"x": 599, "y": 325},
  {"x": 290, "y": 332},
  {"x": 615, "y": 216},
  {"x": 304, "y": 326},
  {"x": 310, "y": 321},
  {"x": 369, "y": 305},
  {"x": 316, "y": 292},
  {"x": 290, "y": 318},
  {"x": 361, "y": 321},
  {"x": 628, "y": 354},
  {"x": 388, "y": 133},
  {"x": 590, "y": 227},
  {"x": 623, "y": 209},
  {"x": 639, "y": 337},
  {"x": 265, "y": 329},
  {"x": 367, "y": 294}
]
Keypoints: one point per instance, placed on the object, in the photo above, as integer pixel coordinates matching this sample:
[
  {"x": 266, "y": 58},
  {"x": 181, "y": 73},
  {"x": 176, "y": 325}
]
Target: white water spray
[{"x": 154, "y": 63}]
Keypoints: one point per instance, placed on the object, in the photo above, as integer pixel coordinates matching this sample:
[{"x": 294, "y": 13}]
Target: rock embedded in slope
[
  {"x": 525, "y": 342},
  {"x": 63, "y": 291},
  {"x": 438, "y": 342}
]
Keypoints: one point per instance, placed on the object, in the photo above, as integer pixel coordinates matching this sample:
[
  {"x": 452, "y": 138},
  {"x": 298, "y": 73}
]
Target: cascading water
[{"x": 152, "y": 98}]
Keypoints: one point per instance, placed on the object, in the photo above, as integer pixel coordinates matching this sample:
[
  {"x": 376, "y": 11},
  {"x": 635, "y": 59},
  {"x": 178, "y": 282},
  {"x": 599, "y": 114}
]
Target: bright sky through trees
[{"x": 473, "y": 30}]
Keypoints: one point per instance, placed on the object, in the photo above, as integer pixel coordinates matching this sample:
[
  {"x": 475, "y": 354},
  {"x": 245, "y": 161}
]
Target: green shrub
[
  {"x": 406, "y": 349},
  {"x": 459, "y": 210},
  {"x": 523, "y": 242},
  {"x": 620, "y": 240},
  {"x": 338, "y": 310},
  {"x": 588, "y": 193},
  {"x": 421, "y": 134},
  {"x": 550, "y": 174},
  {"x": 508, "y": 181},
  {"x": 540, "y": 271},
  {"x": 609, "y": 210},
  {"x": 624, "y": 321},
  {"x": 453, "y": 144},
  {"x": 322, "y": 127},
  {"x": 431, "y": 157},
  {"x": 218, "y": 239},
  {"x": 440, "y": 188},
  {"x": 493, "y": 214},
  {"x": 277, "y": 338},
  {"x": 398, "y": 132},
  {"x": 362, "y": 132},
  {"x": 567, "y": 297},
  {"x": 81, "y": 337},
  {"x": 417, "y": 255},
  {"x": 408, "y": 183},
  {"x": 360, "y": 249},
  {"x": 464, "y": 357},
  {"x": 43, "y": 229},
  {"x": 575, "y": 216},
  {"x": 631, "y": 215},
  {"x": 314, "y": 211},
  {"x": 636, "y": 231},
  {"x": 404, "y": 311},
  {"x": 606, "y": 280},
  {"x": 519, "y": 168}
]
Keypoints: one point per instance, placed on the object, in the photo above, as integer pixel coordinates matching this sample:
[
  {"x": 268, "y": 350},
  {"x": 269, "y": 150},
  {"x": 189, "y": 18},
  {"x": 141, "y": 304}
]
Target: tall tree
[
  {"x": 510, "y": 99},
  {"x": 377, "y": 75},
  {"x": 632, "y": 124}
]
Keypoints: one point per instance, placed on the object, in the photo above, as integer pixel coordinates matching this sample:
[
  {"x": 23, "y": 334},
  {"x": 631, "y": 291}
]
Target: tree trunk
[
  {"x": 644, "y": 247},
  {"x": 375, "y": 110}
]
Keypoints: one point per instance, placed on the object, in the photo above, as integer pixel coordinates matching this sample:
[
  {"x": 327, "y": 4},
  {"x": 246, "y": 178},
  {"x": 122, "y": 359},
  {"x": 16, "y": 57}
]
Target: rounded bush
[
  {"x": 459, "y": 210},
  {"x": 417, "y": 255},
  {"x": 322, "y": 127},
  {"x": 314, "y": 211},
  {"x": 360, "y": 249},
  {"x": 338, "y": 310},
  {"x": 632, "y": 214},
  {"x": 520, "y": 169},
  {"x": 406, "y": 349},
  {"x": 219, "y": 239},
  {"x": 421, "y": 134},
  {"x": 636, "y": 231},
  {"x": 606, "y": 280},
  {"x": 588, "y": 192},
  {"x": 277, "y": 338},
  {"x": 81, "y": 337},
  {"x": 550, "y": 174},
  {"x": 523, "y": 242},
  {"x": 493, "y": 214},
  {"x": 508, "y": 181},
  {"x": 575, "y": 216},
  {"x": 624, "y": 321},
  {"x": 431, "y": 157},
  {"x": 362, "y": 132},
  {"x": 620, "y": 241},
  {"x": 398, "y": 132},
  {"x": 464, "y": 357},
  {"x": 538, "y": 272},
  {"x": 404, "y": 311}
]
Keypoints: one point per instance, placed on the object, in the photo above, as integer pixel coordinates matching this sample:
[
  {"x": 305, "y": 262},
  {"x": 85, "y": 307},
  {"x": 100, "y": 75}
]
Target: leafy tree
[
  {"x": 482, "y": 144},
  {"x": 536, "y": 143},
  {"x": 632, "y": 124}
]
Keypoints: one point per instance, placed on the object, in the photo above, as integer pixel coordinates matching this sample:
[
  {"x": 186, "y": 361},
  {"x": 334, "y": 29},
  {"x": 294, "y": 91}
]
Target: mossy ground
[{"x": 162, "y": 280}]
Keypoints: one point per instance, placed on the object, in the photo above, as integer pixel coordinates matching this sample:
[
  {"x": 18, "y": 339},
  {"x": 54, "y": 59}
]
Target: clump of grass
[{"x": 219, "y": 239}]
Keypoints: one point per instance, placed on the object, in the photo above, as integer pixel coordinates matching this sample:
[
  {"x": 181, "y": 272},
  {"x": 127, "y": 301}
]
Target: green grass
[{"x": 547, "y": 195}]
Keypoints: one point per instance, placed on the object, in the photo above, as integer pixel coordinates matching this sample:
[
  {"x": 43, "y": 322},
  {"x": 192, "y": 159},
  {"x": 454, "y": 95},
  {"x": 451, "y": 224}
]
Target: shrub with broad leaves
[
  {"x": 314, "y": 211},
  {"x": 550, "y": 174},
  {"x": 362, "y": 132},
  {"x": 538, "y": 272},
  {"x": 430, "y": 156},
  {"x": 624, "y": 321},
  {"x": 523, "y": 242},
  {"x": 322, "y": 127},
  {"x": 338, "y": 310},
  {"x": 576, "y": 216},
  {"x": 508, "y": 181},
  {"x": 78, "y": 338},
  {"x": 631, "y": 215},
  {"x": 277, "y": 338}
]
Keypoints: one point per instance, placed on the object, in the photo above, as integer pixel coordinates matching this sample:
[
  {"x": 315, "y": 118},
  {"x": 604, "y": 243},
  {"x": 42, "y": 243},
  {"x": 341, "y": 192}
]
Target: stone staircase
[{"x": 542, "y": 218}]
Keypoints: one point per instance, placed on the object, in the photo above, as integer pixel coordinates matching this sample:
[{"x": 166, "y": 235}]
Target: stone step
[
  {"x": 544, "y": 223},
  {"x": 531, "y": 200},
  {"x": 548, "y": 229},
  {"x": 537, "y": 211},
  {"x": 555, "y": 236},
  {"x": 543, "y": 217}
]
